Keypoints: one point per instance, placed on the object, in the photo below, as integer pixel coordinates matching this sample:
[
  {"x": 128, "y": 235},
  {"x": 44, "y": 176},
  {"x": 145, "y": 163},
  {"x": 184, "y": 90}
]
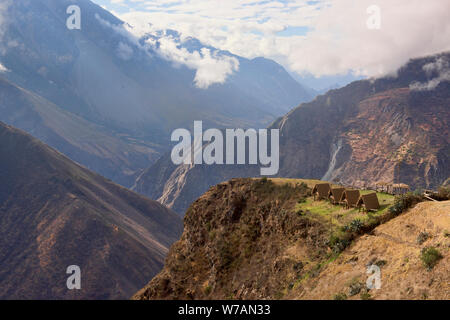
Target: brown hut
[
  {"x": 368, "y": 202},
  {"x": 320, "y": 191},
  {"x": 349, "y": 198},
  {"x": 335, "y": 195}
]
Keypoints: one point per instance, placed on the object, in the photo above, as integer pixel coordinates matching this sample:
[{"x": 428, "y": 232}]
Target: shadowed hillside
[
  {"x": 119, "y": 158},
  {"x": 55, "y": 213}
]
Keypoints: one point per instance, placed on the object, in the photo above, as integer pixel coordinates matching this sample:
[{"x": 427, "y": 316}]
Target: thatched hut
[
  {"x": 335, "y": 195},
  {"x": 381, "y": 186},
  {"x": 368, "y": 202},
  {"x": 349, "y": 198},
  {"x": 320, "y": 191},
  {"x": 400, "y": 188}
]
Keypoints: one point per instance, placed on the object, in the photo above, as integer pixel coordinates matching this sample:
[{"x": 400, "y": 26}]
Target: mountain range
[
  {"x": 86, "y": 115},
  {"x": 394, "y": 129},
  {"x": 125, "y": 90}
]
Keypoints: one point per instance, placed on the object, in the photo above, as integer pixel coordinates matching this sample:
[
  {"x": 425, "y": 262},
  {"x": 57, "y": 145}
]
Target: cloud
[
  {"x": 440, "y": 69},
  {"x": 4, "y": 21},
  {"x": 124, "y": 51},
  {"x": 327, "y": 37},
  {"x": 211, "y": 67},
  {"x": 3, "y": 69}
]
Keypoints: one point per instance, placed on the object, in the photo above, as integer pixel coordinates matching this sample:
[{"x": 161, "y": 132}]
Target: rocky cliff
[{"x": 257, "y": 239}]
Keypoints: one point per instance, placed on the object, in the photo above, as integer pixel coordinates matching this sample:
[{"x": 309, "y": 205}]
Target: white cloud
[
  {"x": 3, "y": 22},
  {"x": 440, "y": 69},
  {"x": 124, "y": 51},
  {"x": 210, "y": 66},
  {"x": 338, "y": 39},
  {"x": 3, "y": 69}
]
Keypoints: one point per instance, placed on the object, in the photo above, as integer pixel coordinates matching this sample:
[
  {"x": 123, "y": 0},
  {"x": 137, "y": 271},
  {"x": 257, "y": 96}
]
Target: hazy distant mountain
[
  {"x": 393, "y": 129},
  {"x": 55, "y": 213},
  {"x": 106, "y": 76},
  {"x": 117, "y": 157}
]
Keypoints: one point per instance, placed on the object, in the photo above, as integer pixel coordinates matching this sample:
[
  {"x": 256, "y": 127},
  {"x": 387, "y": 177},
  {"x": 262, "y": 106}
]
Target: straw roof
[
  {"x": 369, "y": 201},
  {"x": 321, "y": 190},
  {"x": 400, "y": 186},
  {"x": 350, "y": 197},
  {"x": 335, "y": 194}
]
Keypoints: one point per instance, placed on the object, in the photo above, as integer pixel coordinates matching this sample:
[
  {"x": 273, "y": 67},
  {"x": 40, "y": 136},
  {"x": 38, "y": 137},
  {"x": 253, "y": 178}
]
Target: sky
[{"x": 326, "y": 38}]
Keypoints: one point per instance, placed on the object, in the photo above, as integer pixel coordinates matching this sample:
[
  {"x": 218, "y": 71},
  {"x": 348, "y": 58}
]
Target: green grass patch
[{"x": 430, "y": 257}]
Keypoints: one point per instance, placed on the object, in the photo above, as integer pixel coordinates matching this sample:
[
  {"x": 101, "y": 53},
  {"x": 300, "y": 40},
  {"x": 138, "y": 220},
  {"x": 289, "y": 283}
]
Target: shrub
[
  {"x": 338, "y": 244},
  {"x": 444, "y": 193},
  {"x": 340, "y": 296},
  {"x": 422, "y": 237},
  {"x": 225, "y": 254},
  {"x": 208, "y": 290},
  {"x": 354, "y": 226},
  {"x": 355, "y": 288},
  {"x": 380, "y": 263},
  {"x": 365, "y": 296},
  {"x": 404, "y": 202},
  {"x": 430, "y": 257}
]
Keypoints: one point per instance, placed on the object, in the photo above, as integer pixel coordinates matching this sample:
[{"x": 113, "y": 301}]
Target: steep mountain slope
[
  {"x": 108, "y": 76},
  {"x": 383, "y": 130},
  {"x": 117, "y": 158},
  {"x": 55, "y": 213},
  {"x": 248, "y": 239},
  {"x": 396, "y": 246}
]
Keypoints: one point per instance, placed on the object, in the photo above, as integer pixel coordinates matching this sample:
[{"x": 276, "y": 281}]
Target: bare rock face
[
  {"x": 383, "y": 130},
  {"x": 55, "y": 213},
  {"x": 234, "y": 242}
]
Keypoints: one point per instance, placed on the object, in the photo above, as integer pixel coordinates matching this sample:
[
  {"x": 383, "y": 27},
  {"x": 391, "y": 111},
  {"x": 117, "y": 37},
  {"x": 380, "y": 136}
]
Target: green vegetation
[
  {"x": 380, "y": 263},
  {"x": 404, "y": 202},
  {"x": 207, "y": 290},
  {"x": 365, "y": 296},
  {"x": 422, "y": 237},
  {"x": 430, "y": 257},
  {"x": 338, "y": 215},
  {"x": 355, "y": 287},
  {"x": 344, "y": 224},
  {"x": 355, "y": 226},
  {"x": 340, "y": 296}
]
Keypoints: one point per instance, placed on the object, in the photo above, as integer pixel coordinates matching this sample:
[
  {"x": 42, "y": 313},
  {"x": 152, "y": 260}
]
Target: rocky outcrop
[{"x": 233, "y": 244}]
